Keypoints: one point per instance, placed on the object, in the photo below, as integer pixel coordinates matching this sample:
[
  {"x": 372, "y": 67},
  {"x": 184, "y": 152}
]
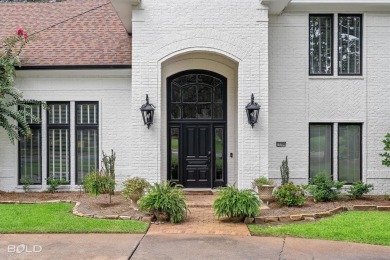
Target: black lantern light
[
  {"x": 252, "y": 111},
  {"x": 147, "y": 111}
]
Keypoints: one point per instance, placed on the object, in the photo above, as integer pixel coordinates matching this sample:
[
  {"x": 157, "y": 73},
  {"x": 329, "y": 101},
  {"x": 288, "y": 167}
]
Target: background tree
[{"x": 14, "y": 110}]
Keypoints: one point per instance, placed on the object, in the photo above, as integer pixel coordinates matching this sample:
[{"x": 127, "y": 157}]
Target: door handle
[{"x": 209, "y": 156}]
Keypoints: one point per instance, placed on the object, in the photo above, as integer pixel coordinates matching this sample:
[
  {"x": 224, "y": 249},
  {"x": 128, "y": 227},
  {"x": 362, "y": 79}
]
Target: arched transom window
[{"x": 197, "y": 96}]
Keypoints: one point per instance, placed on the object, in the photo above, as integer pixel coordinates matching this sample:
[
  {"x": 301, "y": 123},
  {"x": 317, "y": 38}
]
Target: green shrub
[
  {"x": 290, "y": 194},
  {"x": 232, "y": 202},
  {"x": 323, "y": 188},
  {"x": 26, "y": 182},
  {"x": 136, "y": 186},
  {"x": 262, "y": 181},
  {"x": 387, "y": 197},
  {"x": 54, "y": 183},
  {"x": 102, "y": 182},
  {"x": 358, "y": 189},
  {"x": 165, "y": 197},
  {"x": 97, "y": 183}
]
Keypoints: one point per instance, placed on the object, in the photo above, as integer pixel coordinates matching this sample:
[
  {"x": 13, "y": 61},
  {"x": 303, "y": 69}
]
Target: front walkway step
[
  {"x": 198, "y": 192},
  {"x": 200, "y": 201},
  {"x": 201, "y": 220}
]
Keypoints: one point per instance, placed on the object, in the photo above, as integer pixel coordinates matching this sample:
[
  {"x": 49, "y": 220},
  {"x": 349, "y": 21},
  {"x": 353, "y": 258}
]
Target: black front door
[
  {"x": 196, "y": 155},
  {"x": 197, "y": 129}
]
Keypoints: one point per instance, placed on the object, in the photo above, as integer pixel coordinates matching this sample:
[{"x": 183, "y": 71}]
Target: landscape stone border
[
  {"x": 312, "y": 216},
  {"x": 77, "y": 213}
]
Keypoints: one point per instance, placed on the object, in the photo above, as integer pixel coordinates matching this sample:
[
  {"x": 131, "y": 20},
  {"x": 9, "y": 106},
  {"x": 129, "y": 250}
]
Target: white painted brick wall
[
  {"x": 236, "y": 29},
  {"x": 297, "y": 99},
  {"x": 112, "y": 88},
  {"x": 378, "y": 96}
]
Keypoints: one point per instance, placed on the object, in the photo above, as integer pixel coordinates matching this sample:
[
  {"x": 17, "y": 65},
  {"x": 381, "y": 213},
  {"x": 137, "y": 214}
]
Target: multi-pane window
[
  {"x": 197, "y": 97},
  {"x": 320, "y": 149},
  {"x": 320, "y": 44},
  {"x": 349, "y": 38},
  {"x": 58, "y": 128},
  {"x": 30, "y": 168},
  {"x": 349, "y": 151},
  {"x": 87, "y": 130}
]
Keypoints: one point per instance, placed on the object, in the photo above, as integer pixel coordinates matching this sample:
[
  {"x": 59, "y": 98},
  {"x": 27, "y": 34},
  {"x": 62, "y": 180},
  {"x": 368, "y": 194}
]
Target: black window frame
[
  {"x": 332, "y": 148},
  {"x": 32, "y": 126},
  {"x": 331, "y": 16},
  {"x": 361, "y": 45},
  {"x": 85, "y": 126},
  {"x": 361, "y": 150},
  {"x": 202, "y": 72},
  {"x": 58, "y": 126}
]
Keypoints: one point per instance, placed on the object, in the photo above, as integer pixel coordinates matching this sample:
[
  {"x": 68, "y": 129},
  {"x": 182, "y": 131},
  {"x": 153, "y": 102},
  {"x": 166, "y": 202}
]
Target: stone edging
[
  {"x": 80, "y": 214},
  {"x": 312, "y": 216}
]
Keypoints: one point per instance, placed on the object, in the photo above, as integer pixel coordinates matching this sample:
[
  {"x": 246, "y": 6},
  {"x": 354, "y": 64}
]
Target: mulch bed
[
  {"x": 313, "y": 207},
  {"x": 95, "y": 205},
  {"x": 100, "y": 205}
]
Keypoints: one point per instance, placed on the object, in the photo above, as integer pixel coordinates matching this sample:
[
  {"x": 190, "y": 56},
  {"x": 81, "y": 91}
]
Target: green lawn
[
  {"x": 370, "y": 227},
  {"x": 57, "y": 218}
]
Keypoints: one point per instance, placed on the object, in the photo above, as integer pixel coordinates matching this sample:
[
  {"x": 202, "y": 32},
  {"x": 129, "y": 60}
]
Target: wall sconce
[
  {"x": 147, "y": 111},
  {"x": 252, "y": 111}
]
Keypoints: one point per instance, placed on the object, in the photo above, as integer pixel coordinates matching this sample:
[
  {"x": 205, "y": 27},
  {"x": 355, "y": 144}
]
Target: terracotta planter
[
  {"x": 161, "y": 216},
  {"x": 236, "y": 219},
  {"x": 134, "y": 200},
  {"x": 265, "y": 192}
]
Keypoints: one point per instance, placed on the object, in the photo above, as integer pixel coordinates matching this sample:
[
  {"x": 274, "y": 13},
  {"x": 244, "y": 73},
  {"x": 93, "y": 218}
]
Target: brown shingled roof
[{"x": 72, "y": 32}]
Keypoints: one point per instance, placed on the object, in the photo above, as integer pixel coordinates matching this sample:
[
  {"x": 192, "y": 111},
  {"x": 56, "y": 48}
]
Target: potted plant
[
  {"x": 166, "y": 201},
  {"x": 265, "y": 188},
  {"x": 134, "y": 189},
  {"x": 236, "y": 204}
]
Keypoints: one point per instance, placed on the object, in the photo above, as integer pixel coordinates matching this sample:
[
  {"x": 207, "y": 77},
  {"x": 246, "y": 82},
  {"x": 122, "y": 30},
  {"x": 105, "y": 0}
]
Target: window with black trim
[
  {"x": 30, "y": 154},
  {"x": 58, "y": 137},
  {"x": 87, "y": 144},
  {"x": 321, "y": 44},
  {"x": 349, "y": 44},
  {"x": 350, "y": 153},
  {"x": 197, "y": 97},
  {"x": 320, "y": 149}
]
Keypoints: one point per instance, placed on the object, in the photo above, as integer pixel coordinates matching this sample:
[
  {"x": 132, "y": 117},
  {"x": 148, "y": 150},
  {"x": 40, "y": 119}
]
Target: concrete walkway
[
  {"x": 67, "y": 246},
  {"x": 234, "y": 247},
  {"x": 174, "y": 246}
]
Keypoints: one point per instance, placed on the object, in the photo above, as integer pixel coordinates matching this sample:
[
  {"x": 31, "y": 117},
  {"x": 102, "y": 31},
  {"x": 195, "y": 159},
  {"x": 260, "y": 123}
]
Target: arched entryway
[{"x": 197, "y": 132}]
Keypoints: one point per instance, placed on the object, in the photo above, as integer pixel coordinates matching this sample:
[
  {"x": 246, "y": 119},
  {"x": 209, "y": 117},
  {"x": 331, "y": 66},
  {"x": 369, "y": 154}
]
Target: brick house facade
[{"x": 325, "y": 107}]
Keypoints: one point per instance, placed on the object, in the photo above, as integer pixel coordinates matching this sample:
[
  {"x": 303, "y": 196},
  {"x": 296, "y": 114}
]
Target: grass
[
  {"x": 56, "y": 218},
  {"x": 371, "y": 227}
]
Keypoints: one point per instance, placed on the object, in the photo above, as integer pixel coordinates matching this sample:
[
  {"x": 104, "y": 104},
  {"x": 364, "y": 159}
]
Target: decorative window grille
[
  {"x": 350, "y": 46},
  {"x": 30, "y": 154},
  {"x": 320, "y": 44},
  {"x": 58, "y": 128},
  {"x": 87, "y": 132}
]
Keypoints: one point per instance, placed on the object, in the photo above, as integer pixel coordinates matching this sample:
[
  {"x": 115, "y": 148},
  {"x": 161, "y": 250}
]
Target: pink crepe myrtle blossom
[{"x": 20, "y": 32}]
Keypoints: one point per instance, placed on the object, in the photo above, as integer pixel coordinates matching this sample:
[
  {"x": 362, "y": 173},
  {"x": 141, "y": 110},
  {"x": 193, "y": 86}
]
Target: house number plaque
[{"x": 281, "y": 144}]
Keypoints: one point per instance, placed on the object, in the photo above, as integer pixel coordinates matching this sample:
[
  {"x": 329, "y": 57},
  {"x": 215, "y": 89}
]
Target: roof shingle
[{"x": 72, "y": 32}]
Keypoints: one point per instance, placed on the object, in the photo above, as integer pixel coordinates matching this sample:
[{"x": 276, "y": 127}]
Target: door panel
[{"x": 197, "y": 162}]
